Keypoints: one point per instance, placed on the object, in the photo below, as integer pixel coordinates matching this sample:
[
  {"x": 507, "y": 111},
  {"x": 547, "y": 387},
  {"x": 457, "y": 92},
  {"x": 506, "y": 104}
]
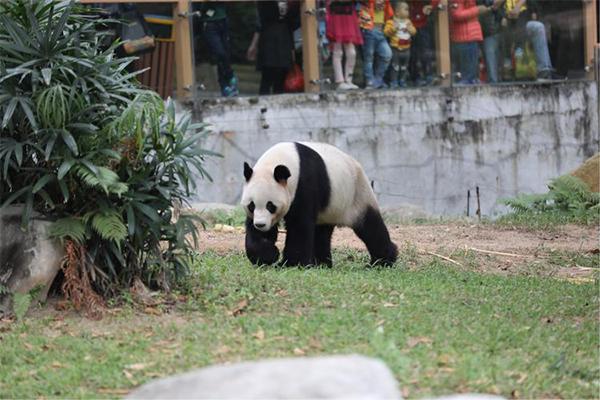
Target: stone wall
[{"x": 419, "y": 147}]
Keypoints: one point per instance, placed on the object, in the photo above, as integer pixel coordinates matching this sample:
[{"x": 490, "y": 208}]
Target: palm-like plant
[{"x": 82, "y": 143}]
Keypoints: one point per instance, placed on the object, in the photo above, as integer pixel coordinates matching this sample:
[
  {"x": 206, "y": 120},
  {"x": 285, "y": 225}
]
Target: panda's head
[{"x": 266, "y": 198}]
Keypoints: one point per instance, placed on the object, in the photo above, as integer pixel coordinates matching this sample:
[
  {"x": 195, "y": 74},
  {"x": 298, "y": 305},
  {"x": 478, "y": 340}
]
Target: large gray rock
[
  {"x": 330, "y": 377},
  {"x": 28, "y": 259}
]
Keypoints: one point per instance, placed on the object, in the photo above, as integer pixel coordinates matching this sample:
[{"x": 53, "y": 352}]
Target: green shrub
[
  {"x": 83, "y": 144},
  {"x": 569, "y": 200}
]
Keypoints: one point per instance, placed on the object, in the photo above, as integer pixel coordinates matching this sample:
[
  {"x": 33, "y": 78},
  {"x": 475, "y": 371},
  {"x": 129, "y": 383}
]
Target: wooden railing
[{"x": 184, "y": 65}]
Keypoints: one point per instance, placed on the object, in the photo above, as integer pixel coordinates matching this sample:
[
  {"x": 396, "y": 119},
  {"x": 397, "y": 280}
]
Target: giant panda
[{"x": 312, "y": 187}]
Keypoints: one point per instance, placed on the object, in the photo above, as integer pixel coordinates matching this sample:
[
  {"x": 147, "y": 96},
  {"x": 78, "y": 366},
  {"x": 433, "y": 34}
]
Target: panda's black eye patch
[
  {"x": 251, "y": 207},
  {"x": 271, "y": 207}
]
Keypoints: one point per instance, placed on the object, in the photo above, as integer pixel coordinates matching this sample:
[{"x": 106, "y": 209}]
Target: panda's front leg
[
  {"x": 299, "y": 243},
  {"x": 260, "y": 246}
]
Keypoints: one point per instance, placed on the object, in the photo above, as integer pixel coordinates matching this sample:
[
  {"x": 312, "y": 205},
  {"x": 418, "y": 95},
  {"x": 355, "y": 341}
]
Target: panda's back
[{"x": 349, "y": 189}]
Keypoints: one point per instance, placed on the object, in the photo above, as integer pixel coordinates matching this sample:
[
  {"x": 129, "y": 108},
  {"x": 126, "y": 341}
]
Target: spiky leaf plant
[
  {"x": 83, "y": 144},
  {"x": 568, "y": 200}
]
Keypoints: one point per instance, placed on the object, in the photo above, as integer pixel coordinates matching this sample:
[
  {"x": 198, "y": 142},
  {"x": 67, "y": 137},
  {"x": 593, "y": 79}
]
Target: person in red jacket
[{"x": 465, "y": 35}]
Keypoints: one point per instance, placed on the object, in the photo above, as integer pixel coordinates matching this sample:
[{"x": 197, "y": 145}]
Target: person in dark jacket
[
  {"x": 273, "y": 43},
  {"x": 490, "y": 27},
  {"x": 215, "y": 31}
]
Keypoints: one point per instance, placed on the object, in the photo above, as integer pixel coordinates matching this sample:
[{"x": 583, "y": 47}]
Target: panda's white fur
[{"x": 350, "y": 190}]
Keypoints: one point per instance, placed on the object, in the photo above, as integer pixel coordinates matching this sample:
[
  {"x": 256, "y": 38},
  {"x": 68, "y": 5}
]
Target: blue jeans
[
  {"x": 536, "y": 32},
  {"x": 216, "y": 35},
  {"x": 491, "y": 53},
  {"x": 465, "y": 58},
  {"x": 375, "y": 44}
]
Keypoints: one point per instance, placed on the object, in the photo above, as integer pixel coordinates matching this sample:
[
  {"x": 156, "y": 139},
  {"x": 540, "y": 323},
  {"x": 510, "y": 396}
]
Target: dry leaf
[
  {"x": 389, "y": 305},
  {"x": 417, "y": 340},
  {"x": 138, "y": 366},
  {"x": 239, "y": 309},
  {"x": 152, "y": 310},
  {"x": 28, "y": 346},
  {"x": 315, "y": 343},
  {"x": 443, "y": 360},
  {"x": 299, "y": 352},
  {"x": 128, "y": 374},
  {"x": 260, "y": 334},
  {"x": 380, "y": 322},
  {"x": 223, "y": 350},
  {"x": 515, "y": 394},
  {"x": 56, "y": 364},
  {"x": 405, "y": 392}
]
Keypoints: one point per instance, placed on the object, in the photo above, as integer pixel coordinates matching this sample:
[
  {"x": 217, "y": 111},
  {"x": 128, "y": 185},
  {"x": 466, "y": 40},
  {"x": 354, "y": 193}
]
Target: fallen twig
[
  {"x": 499, "y": 253},
  {"x": 444, "y": 258}
]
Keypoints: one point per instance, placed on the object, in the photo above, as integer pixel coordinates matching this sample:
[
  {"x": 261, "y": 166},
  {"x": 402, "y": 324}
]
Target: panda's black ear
[
  {"x": 281, "y": 174},
  {"x": 247, "y": 171}
]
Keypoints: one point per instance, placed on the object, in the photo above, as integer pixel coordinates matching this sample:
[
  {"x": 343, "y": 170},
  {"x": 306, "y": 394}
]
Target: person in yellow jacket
[{"x": 399, "y": 30}]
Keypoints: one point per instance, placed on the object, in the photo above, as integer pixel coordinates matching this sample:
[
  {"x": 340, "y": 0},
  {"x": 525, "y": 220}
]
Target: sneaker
[
  {"x": 351, "y": 85},
  {"x": 230, "y": 91},
  {"x": 394, "y": 85},
  {"x": 344, "y": 86},
  {"x": 549, "y": 75},
  {"x": 402, "y": 83},
  {"x": 379, "y": 84}
]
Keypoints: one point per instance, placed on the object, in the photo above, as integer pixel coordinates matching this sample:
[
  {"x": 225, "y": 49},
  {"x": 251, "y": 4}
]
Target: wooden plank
[
  {"x": 184, "y": 64},
  {"x": 590, "y": 39},
  {"x": 310, "y": 46},
  {"x": 442, "y": 46}
]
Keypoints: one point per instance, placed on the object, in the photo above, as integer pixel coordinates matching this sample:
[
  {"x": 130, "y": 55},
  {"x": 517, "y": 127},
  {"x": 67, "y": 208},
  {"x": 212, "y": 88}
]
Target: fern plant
[
  {"x": 569, "y": 200},
  {"x": 83, "y": 144}
]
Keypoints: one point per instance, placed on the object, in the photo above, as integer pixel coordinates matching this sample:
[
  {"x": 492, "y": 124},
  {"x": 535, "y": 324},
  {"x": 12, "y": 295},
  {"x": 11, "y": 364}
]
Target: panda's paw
[
  {"x": 263, "y": 253},
  {"x": 388, "y": 260}
]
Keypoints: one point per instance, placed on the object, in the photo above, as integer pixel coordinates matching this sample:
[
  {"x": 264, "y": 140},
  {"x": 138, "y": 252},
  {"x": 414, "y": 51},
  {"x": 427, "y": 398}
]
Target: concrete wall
[{"x": 420, "y": 147}]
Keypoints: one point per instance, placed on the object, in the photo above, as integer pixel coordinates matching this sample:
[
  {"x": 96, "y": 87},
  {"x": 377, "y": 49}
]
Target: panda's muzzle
[{"x": 260, "y": 226}]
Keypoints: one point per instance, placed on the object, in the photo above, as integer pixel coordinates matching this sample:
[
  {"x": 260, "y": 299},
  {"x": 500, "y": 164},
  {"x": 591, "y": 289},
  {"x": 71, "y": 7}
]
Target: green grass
[{"x": 440, "y": 330}]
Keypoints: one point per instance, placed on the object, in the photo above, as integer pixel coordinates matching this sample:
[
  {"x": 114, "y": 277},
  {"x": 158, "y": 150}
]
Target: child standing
[
  {"x": 343, "y": 33},
  {"x": 372, "y": 18},
  {"x": 400, "y": 29}
]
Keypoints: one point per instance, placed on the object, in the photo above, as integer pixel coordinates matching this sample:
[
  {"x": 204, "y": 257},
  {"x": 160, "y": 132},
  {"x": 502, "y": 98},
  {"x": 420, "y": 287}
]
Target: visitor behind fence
[
  {"x": 465, "y": 35},
  {"x": 343, "y": 33},
  {"x": 215, "y": 31},
  {"x": 399, "y": 30},
  {"x": 273, "y": 43},
  {"x": 377, "y": 53},
  {"x": 422, "y": 45},
  {"x": 492, "y": 37},
  {"x": 522, "y": 24}
]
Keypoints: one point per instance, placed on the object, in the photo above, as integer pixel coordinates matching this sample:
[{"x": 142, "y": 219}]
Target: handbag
[
  {"x": 294, "y": 80},
  {"x": 525, "y": 65}
]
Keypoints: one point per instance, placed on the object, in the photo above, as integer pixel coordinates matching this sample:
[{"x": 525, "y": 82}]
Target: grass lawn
[{"x": 439, "y": 329}]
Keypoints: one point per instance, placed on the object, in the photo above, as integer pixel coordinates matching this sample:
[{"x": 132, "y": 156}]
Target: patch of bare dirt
[{"x": 487, "y": 248}]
